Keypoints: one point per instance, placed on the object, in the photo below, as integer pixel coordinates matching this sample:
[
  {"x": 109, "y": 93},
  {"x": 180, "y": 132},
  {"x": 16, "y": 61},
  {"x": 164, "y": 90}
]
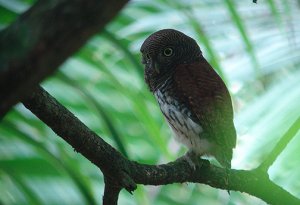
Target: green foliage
[{"x": 254, "y": 47}]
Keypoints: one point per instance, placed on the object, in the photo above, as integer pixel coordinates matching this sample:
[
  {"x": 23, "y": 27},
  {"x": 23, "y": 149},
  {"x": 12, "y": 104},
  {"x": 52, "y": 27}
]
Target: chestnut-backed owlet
[{"x": 191, "y": 95}]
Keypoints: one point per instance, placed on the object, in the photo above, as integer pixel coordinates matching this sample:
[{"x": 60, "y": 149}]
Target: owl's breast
[{"x": 179, "y": 118}]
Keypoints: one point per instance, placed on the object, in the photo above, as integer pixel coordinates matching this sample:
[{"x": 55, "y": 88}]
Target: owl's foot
[{"x": 193, "y": 160}]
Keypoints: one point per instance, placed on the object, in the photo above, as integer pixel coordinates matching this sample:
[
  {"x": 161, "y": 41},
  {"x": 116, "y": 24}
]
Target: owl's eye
[{"x": 168, "y": 52}]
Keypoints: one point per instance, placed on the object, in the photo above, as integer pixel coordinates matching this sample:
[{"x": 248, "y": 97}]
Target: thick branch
[
  {"x": 44, "y": 37},
  {"x": 80, "y": 137},
  {"x": 125, "y": 173},
  {"x": 280, "y": 146}
]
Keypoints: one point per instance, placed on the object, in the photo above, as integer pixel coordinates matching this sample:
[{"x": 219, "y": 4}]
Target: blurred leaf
[
  {"x": 238, "y": 21},
  {"x": 31, "y": 197},
  {"x": 14, "y": 5},
  {"x": 41, "y": 167},
  {"x": 102, "y": 113}
]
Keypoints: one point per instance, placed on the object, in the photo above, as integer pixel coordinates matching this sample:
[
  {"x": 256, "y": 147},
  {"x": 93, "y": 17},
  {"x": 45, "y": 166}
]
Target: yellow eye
[{"x": 168, "y": 52}]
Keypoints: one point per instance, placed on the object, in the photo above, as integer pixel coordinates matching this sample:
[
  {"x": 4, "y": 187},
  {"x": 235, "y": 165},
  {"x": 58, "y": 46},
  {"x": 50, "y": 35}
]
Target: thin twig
[{"x": 280, "y": 146}]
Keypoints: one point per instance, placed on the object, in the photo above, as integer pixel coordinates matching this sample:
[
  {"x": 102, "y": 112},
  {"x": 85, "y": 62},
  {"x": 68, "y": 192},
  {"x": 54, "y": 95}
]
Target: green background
[{"x": 254, "y": 47}]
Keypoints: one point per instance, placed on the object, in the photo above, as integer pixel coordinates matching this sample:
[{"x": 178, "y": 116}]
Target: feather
[{"x": 201, "y": 89}]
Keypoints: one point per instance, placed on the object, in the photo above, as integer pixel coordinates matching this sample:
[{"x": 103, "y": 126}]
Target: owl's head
[{"x": 165, "y": 49}]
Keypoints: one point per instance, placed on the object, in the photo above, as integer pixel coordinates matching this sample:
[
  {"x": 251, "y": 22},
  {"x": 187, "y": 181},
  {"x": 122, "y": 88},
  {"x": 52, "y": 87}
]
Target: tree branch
[
  {"x": 42, "y": 38},
  {"x": 124, "y": 173},
  {"x": 111, "y": 192},
  {"x": 280, "y": 146},
  {"x": 82, "y": 139}
]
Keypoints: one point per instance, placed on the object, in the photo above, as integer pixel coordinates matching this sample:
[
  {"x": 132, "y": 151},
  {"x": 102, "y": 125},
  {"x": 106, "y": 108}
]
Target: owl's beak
[{"x": 154, "y": 66}]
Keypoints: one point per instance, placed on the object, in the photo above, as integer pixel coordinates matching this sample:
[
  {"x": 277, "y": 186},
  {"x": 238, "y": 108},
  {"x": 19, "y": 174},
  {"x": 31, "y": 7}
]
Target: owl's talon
[
  {"x": 190, "y": 162},
  {"x": 193, "y": 160}
]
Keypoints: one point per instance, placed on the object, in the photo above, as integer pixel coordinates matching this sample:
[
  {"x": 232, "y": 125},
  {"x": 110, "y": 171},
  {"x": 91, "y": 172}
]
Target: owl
[{"x": 191, "y": 95}]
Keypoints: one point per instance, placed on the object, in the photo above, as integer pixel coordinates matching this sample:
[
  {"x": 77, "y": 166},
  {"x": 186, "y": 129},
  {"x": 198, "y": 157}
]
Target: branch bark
[
  {"x": 111, "y": 192},
  {"x": 43, "y": 38},
  {"x": 123, "y": 173}
]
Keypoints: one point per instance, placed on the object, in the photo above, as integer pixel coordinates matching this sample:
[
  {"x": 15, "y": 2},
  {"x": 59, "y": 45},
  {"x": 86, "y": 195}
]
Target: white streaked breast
[{"x": 185, "y": 129}]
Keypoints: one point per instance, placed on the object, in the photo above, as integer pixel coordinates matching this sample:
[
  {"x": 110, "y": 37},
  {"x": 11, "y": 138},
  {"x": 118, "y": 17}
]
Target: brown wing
[{"x": 204, "y": 92}]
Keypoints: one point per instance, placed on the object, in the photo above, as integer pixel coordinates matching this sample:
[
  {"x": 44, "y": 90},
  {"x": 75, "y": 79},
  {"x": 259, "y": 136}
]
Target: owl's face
[{"x": 163, "y": 50}]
